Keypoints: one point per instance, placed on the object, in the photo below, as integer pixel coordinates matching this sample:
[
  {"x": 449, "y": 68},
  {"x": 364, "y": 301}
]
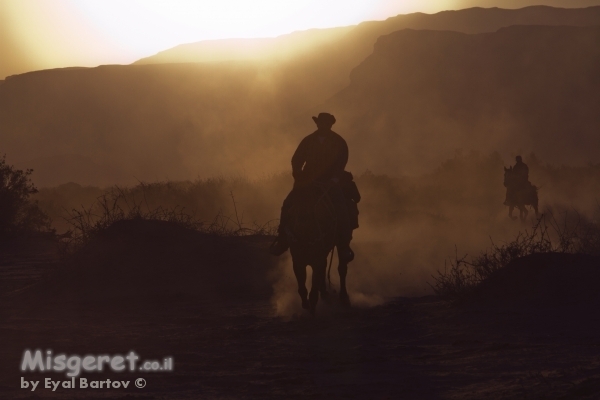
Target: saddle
[
  {"x": 522, "y": 194},
  {"x": 312, "y": 217}
]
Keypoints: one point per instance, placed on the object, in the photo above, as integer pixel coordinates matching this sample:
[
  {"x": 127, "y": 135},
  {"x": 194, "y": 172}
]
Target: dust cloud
[{"x": 410, "y": 225}]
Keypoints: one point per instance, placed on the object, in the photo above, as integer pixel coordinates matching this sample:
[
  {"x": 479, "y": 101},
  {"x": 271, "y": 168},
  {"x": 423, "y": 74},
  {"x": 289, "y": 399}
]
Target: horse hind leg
[
  {"x": 324, "y": 293},
  {"x": 343, "y": 271},
  {"x": 535, "y": 208},
  {"x": 523, "y": 213},
  {"x": 313, "y": 299},
  {"x": 323, "y": 287},
  {"x": 510, "y": 212},
  {"x": 300, "y": 272}
]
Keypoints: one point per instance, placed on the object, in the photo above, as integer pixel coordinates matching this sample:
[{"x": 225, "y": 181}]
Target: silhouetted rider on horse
[
  {"x": 320, "y": 159},
  {"x": 519, "y": 183},
  {"x": 519, "y": 191}
]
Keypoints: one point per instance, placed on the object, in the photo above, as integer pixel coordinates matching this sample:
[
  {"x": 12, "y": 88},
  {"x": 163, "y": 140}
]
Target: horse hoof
[
  {"x": 312, "y": 307},
  {"x": 313, "y": 299},
  {"x": 305, "y": 304},
  {"x": 345, "y": 300}
]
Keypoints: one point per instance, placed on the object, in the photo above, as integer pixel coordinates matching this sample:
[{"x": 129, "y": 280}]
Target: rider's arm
[
  {"x": 355, "y": 194},
  {"x": 299, "y": 158}
]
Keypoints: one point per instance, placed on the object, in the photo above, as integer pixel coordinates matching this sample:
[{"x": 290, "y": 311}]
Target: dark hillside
[
  {"x": 521, "y": 89},
  {"x": 546, "y": 279},
  {"x": 315, "y": 64},
  {"x": 141, "y": 260}
]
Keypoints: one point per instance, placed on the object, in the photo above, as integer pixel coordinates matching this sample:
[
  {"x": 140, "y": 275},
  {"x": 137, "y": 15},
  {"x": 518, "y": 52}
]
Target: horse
[
  {"x": 312, "y": 234},
  {"x": 519, "y": 195}
]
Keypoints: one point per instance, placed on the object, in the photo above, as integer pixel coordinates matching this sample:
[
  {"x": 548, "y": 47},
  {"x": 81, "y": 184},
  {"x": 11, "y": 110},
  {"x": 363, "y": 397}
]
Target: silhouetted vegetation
[
  {"x": 408, "y": 224},
  {"x": 572, "y": 233},
  {"x": 121, "y": 204},
  {"x": 17, "y": 213}
]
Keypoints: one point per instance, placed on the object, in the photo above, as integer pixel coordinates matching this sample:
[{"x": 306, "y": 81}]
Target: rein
[{"x": 329, "y": 269}]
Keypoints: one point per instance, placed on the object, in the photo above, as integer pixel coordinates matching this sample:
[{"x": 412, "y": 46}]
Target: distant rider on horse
[
  {"x": 320, "y": 159},
  {"x": 521, "y": 182}
]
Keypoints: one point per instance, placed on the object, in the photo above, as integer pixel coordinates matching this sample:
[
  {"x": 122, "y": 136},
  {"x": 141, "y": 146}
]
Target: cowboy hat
[{"x": 324, "y": 118}]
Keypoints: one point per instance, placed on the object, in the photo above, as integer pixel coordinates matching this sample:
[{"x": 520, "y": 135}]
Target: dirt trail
[
  {"x": 23, "y": 261},
  {"x": 409, "y": 348}
]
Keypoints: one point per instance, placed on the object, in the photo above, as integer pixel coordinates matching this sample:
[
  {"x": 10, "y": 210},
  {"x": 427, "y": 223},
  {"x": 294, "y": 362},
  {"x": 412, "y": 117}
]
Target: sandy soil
[{"x": 408, "y": 348}]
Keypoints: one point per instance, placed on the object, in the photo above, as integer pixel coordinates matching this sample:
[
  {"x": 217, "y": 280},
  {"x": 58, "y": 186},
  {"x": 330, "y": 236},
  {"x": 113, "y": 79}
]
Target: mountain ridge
[
  {"x": 530, "y": 88},
  {"x": 399, "y": 108},
  {"x": 470, "y": 20}
]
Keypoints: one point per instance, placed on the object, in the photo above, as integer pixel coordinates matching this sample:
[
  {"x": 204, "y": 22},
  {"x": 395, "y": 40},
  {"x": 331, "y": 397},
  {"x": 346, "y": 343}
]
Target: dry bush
[
  {"x": 18, "y": 213},
  {"x": 117, "y": 204},
  {"x": 469, "y": 185},
  {"x": 408, "y": 224},
  {"x": 571, "y": 233}
]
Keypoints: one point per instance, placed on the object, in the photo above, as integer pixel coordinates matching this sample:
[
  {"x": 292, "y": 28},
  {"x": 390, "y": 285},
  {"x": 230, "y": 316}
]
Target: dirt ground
[{"x": 224, "y": 348}]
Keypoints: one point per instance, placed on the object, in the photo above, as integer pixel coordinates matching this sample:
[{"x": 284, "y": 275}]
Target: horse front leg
[
  {"x": 300, "y": 272},
  {"x": 318, "y": 283},
  {"x": 510, "y": 212},
  {"x": 343, "y": 271},
  {"x": 523, "y": 213}
]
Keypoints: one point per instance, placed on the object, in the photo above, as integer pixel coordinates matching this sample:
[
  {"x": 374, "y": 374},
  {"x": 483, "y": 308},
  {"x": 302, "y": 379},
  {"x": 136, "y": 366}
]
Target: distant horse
[
  {"x": 312, "y": 233},
  {"x": 519, "y": 196}
]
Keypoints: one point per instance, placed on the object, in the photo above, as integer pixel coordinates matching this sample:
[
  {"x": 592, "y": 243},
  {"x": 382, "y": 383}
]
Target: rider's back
[
  {"x": 320, "y": 156},
  {"x": 521, "y": 171}
]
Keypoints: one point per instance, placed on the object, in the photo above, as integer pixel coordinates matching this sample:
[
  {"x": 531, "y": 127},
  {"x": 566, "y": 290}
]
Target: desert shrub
[
  {"x": 571, "y": 233},
  {"x": 465, "y": 273},
  {"x": 466, "y": 186},
  {"x": 17, "y": 212},
  {"x": 256, "y": 200},
  {"x": 575, "y": 232},
  {"x": 117, "y": 204}
]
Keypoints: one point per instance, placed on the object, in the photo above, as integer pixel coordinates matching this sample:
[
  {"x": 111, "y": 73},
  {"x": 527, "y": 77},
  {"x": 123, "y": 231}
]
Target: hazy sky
[{"x": 38, "y": 34}]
